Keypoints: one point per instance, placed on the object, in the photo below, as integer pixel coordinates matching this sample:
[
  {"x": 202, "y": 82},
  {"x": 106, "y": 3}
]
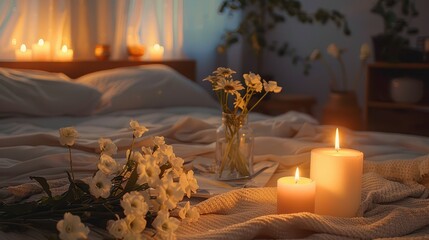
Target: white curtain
[{"x": 81, "y": 24}]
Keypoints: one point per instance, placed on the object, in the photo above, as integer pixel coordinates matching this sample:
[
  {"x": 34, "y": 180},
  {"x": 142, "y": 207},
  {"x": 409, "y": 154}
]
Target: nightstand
[{"x": 281, "y": 103}]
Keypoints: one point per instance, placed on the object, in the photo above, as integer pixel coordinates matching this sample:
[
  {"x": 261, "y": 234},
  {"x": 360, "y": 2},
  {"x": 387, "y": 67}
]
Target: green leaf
[
  {"x": 131, "y": 181},
  {"x": 44, "y": 183}
]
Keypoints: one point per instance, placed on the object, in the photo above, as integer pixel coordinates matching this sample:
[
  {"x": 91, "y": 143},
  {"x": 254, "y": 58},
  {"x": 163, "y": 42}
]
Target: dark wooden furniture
[
  {"x": 281, "y": 103},
  {"x": 75, "y": 69},
  {"x": 381, "y": 113}
]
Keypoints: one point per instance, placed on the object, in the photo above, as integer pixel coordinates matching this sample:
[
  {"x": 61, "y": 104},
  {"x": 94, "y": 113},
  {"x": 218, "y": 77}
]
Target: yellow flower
[
  {"x": 107, "y": 146},
  {"x": 271, "y": 86},
  {"x": 253, "y": 81},
  {"x": 189, "y": 214}
]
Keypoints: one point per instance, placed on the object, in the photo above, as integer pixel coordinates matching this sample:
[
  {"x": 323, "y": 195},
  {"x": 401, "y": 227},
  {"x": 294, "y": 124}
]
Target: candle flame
[
  {"x": 156, "y": 46},
  {"x": 297, "y": 175},
  {"x": 41, "y": 42},
  {"x": 337, "y": 140},
  {"x": 23, "y": 48},
  {"x": 64, "y": 48}
]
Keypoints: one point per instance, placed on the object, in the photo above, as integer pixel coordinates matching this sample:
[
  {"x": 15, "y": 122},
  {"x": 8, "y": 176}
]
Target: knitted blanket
[{"x": 393, "y": 205}]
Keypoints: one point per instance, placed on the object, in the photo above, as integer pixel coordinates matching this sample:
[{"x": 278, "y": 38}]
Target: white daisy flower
[
  {"x": 118, "y": 228},
  {"x": 165, "y": 225},
  {"x": 100, "y": 185},
  {"x": 188, "y": 183},
  {"x": 68, "y": 136},
  {"x": 188, "y": 213},
  {"x": 71, "y": 228},
  {"x": 229, "y": 86},
  {"x": 108, "y": 165},
  {"x": 134, "y": 203},
  {"x": 224, "y": 72},
  {"x": 138, "y": 129},
  {"x": 107, "y": 146}
]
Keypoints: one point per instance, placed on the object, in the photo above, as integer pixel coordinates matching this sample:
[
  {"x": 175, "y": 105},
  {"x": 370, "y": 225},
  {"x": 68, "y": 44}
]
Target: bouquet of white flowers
[{"x": 118, "y": 197}]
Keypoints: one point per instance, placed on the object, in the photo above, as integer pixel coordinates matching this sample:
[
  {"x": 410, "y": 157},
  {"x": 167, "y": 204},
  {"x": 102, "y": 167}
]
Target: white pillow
[
  {"x": 38, "y": 93},
  {"x": 146, "y": 86}
]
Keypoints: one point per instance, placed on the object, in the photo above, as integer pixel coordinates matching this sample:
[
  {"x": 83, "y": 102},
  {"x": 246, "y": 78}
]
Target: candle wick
[{"x": 296, "y": 181}]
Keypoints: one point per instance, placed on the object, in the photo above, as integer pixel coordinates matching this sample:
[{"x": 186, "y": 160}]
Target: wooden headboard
[{"x": 76, "y": 69}]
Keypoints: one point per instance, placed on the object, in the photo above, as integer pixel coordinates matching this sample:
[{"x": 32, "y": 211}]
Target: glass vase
[{"x": 234, "y": 148}]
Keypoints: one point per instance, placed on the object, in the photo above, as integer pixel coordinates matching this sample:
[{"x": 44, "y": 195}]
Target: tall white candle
[
  {"x": 338, "y": 176},
  {"x": 295, "y": 194},
  {"x": 41, "y": 50},
  {"x": 23, "y": 54}
]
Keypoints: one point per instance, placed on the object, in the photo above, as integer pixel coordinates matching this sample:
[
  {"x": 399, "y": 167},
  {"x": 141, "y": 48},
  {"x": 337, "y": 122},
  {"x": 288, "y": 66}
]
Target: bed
[{"x": 395, "y": 192}]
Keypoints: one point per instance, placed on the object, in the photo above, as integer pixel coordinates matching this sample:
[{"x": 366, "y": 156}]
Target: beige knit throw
[{"x": 393, "y": 205}]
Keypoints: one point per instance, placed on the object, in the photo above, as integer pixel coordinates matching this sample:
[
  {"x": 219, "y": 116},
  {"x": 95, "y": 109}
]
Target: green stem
[{"x": 71, "y": 163}]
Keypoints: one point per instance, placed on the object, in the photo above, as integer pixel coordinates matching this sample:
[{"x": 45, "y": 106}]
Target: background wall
[
  {"x": 305, "y": 38},
  {"x": 203, "y": 27}
]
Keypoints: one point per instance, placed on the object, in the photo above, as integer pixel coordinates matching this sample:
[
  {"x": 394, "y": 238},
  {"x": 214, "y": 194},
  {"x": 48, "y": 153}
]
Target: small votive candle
[
  {"x": 102, "y": 51},
  {"x": 156, "y": 52},
  {"x": 65, "y": 54},
  {"x": 23, "y": 54},
  {"x": 41, "y": 50},
  {"x": 295, "y": 194}
]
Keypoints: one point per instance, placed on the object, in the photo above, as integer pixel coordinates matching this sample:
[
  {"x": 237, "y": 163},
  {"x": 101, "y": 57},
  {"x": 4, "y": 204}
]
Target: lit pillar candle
[
  {"x": 338, "y": 176},
  {"x": 295, "y": 194},
  {"x": 156, "y": 52},
  {"x": 65, "y": 54},
  {"x": 23, "y": 54},
  {"x": 41, "y": 50}
]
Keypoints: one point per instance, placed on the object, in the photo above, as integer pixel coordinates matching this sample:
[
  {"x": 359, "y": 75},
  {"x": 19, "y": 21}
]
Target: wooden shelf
[
  {"x": 381, "y": 113},
  {"x": 400, "y": 106}
]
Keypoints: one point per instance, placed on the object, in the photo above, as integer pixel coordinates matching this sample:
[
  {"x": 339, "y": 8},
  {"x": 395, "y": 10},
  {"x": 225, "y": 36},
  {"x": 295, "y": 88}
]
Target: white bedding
[{"x": 30, "y": 147}]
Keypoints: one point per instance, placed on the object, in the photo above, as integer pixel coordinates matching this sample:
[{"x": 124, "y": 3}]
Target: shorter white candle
[
  {"x": 295, "y": 194},
  {"x": 156, "y": 52},
  {"x": 65, "y": 54},
  {"x": 23, "y": 54},
  {"x": 41, "y": 50}
]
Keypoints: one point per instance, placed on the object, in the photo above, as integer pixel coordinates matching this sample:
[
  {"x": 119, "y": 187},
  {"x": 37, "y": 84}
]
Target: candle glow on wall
[{"x": 23, "y": 54}]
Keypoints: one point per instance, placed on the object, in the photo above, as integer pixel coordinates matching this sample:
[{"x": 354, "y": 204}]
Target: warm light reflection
[
  {"x": 23, "y": 48},
  {"x": 41, "y": 42},
  {"x": 337, "y": 140},
  {"x": 297, "y": 175},
  {"x": 13, "y": 42},
  {"x": 64, "y": 48},
  {"x": 156, "y": 47}
]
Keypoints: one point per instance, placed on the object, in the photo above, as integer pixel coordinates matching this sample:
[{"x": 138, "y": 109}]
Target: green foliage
[
  {"x": 392, "y": 43},
  {"x": 396, "y": 15},
  {"x": 261, "y": 17}
]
